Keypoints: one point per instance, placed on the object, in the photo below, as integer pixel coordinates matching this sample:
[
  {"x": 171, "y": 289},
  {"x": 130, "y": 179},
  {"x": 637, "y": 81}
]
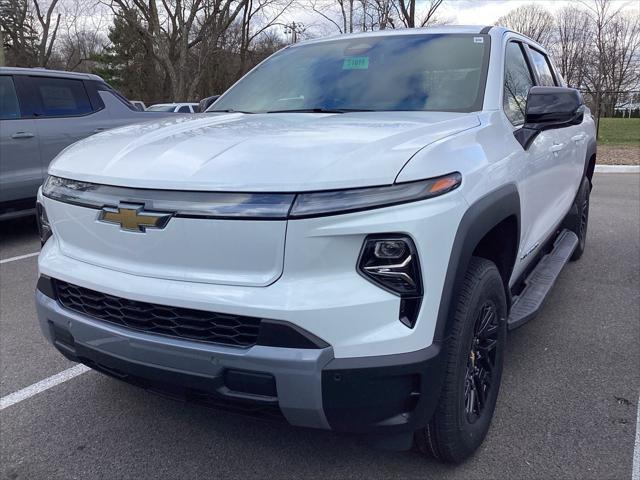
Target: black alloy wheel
[
  {"x": 482, "y": 360},
  {"x": 584, "y": 220},
  {"x": 579, "y": 220}
]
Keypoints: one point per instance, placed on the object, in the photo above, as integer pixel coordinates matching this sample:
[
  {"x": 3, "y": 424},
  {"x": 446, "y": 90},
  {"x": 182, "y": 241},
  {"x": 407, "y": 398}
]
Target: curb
[{"x": 617, "y": 169}]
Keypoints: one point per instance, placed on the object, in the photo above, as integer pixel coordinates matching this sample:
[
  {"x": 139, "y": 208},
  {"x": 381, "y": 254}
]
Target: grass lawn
[{"x": 619, "y": 131}]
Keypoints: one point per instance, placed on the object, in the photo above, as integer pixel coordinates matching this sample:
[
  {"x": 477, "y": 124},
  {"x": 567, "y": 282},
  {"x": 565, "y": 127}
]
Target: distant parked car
[
  {"x": 174, "y": 107},
  {"x": 207, "y": 102},
  {"x": 139, "y": 104},
  {"x": 41, "y": 113}
]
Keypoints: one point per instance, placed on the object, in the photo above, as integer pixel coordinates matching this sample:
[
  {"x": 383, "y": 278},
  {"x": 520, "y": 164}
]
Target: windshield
[
  {"x": 429, "y": 72},
  {"x": 161, "y": 108}
]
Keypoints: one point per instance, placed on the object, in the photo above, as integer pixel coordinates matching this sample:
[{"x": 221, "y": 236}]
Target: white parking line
[
  {"x": 42, "y": 385},
  {"x": 635, "y": 475},
  {"x": 19, "y": 257}
]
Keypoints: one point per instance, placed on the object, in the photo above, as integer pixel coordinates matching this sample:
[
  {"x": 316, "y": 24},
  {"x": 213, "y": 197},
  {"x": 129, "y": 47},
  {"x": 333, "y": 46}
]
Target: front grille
[{"x": 176, "y": 322}]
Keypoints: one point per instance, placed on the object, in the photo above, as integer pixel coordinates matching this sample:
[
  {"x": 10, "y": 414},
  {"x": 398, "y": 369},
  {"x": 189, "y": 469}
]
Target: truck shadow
[
  {"x": 17, "y": 231},
  {"x": 186, "y": 435}
]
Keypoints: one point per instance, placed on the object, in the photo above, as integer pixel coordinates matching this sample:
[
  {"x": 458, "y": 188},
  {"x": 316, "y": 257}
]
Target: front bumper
[{"x": 308, "y": 387}]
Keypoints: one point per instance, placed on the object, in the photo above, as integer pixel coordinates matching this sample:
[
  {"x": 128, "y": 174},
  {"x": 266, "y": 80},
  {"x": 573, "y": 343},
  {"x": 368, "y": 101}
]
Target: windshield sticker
[
  {"x": 478, "y": 40},
  {"x": 355, "y": 63}
]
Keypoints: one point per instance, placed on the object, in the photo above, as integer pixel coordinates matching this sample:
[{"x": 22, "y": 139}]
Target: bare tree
[
  {"x": 19, "y": 33},
  {"x": 347, "y": 9},
  {"x": 79, "y": 47},
  {"x": 407, "y": 11},
  {"x": 258, "y": 16},
  {"x": 380, "y": 13},
  {"x": 2, "y": 60},
  {"x": 30, "y": 29},
  {"x": 48, "y": 30},
  {"x": 340, "y": 14},
  {"x": 571, "y": 46},
  {"x": 531, "y": 20},
  {"x": 349, "y": 16},
  {"x": 175, "y": 28},
  {"x": 621, "y": 59},
  {"x": 83, "y": 35},
  {"x": 601, "y": 15}
]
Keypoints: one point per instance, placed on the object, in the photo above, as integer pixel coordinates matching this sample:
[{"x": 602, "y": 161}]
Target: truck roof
[
  {"x": 494, "y": 31},
  {"x": 406, "y": 31},
  {"x": 44, "y": 72}
]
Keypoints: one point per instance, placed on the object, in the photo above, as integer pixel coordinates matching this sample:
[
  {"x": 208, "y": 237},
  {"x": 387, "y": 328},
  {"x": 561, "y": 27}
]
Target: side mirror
[{"x": 547, "y": 108}]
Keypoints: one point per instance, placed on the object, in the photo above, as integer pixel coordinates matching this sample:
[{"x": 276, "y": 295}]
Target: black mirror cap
[
  {"x": 557, "y": 105},
  {"x": 547, "y": 108}
]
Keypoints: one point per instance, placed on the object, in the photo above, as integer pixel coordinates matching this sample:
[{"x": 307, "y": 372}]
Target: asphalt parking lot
[{"x": 567, "y": 408}]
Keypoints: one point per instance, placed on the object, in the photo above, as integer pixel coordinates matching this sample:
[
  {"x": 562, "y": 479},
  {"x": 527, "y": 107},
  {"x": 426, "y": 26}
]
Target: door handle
[
  {"x": 99, "y": 129},
  {"x": 23, "y": 135},
  {"x": 556, "y": 147},
  {"x": 578, "y": 138}
]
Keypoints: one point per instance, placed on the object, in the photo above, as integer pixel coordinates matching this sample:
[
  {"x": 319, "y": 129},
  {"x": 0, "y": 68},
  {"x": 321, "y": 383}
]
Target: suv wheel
[
  {"x": 475, "y": 354},
  {"x": 580, "y": 220}
]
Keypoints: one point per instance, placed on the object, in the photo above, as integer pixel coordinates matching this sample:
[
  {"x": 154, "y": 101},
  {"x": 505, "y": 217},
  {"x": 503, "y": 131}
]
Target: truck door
[
  {"x": 541, "y": 198},
  {"x": 64, "y": 113},
  {"x": 20, "y": 167},
  {"x": 569, "y": 143}
]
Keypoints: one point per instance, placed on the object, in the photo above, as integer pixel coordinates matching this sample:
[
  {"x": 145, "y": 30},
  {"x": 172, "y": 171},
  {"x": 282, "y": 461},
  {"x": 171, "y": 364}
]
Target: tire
[
  {"x": 459, "y": 425},
  {"x": 580, "y": 219}
]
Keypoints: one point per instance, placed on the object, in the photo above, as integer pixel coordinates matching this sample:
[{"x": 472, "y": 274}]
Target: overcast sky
[
  {"x": 487, "y": 12},
  {"x": 461, "y": 12}
]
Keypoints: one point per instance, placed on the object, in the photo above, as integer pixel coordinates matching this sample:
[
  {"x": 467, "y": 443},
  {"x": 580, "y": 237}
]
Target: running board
[{"x": 539, "y": 282}]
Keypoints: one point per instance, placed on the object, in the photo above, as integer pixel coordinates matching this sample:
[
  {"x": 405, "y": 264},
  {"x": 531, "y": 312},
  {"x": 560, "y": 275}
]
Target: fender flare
[
  {"x": 478, "y": 220},
  {"x": 589, "y": 167}
]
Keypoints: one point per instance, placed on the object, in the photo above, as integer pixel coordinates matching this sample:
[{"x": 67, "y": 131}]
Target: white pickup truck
[{"x": 342, "y": 241}]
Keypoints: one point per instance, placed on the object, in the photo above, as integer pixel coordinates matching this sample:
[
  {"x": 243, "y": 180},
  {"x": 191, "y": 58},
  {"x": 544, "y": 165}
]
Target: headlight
[
  {"x": 353, "y": 200},
  {"x": 44, "y": 229},
  {"x": 391, "y": 262}
]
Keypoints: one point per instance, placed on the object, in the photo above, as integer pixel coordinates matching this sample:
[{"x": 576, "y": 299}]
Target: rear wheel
[
  {"x": 580, "y": 218},
  {"x": 475, "y": 353}
]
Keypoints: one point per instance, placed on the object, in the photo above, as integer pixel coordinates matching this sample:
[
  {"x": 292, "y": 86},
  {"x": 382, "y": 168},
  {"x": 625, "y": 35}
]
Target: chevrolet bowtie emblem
[{"x": 133, "y": 218}]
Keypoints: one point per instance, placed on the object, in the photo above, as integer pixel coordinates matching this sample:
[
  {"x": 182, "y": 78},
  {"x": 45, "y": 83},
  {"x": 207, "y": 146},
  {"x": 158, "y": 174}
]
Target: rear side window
[
  {"x": 9, "y": 106},
  {"x": 105, "y": 87},
  {"x": 184, "y": 109},
  {"x": 61, "y": 97},
  {"x": 541, "y": 64},
  {"x": 517, "y": 82}
]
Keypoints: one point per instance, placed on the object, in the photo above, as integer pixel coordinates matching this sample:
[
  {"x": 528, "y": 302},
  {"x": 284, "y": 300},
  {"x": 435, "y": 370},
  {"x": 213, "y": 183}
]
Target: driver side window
[{"x": 517, "y": 82}]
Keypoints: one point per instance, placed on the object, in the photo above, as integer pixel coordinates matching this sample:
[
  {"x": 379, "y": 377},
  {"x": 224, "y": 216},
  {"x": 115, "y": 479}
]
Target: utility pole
[{"x": 294, "y": 29}]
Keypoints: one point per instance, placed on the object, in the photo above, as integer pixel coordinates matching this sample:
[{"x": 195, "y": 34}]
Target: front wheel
[{"x": 475, "y": 354}]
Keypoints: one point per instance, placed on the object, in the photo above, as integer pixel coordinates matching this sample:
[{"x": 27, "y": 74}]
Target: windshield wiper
[
  {"x": 228, "y": 110},
  {"x": 320, "y": 110}
]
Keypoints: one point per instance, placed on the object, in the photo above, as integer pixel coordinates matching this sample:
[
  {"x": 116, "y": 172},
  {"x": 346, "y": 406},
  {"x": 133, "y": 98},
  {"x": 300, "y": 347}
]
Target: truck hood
[{"x": 259, "y": 152}]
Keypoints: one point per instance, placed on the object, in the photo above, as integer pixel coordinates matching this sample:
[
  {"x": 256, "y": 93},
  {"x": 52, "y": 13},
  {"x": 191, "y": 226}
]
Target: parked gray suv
[{"x": 42, "y": 112}]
